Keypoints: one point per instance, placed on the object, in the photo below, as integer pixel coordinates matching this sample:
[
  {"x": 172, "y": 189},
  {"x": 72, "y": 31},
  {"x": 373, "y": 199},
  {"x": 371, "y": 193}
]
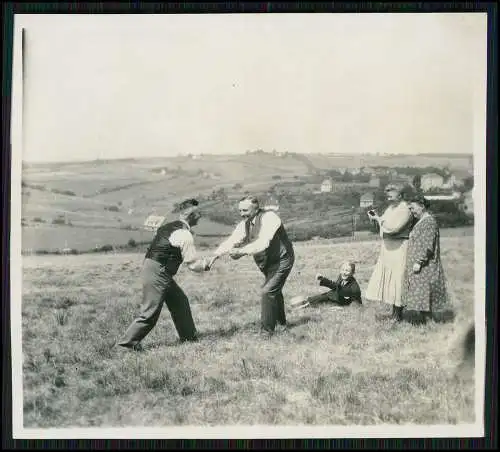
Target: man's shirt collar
[{"x": 187, "y": 224}]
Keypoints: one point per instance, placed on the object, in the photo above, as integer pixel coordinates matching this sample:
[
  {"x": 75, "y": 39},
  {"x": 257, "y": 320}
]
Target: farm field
[
  {"x": 54, "y": 237},
  {"x": 333, "y": 366},
  {"x": 106, "y": 200}
]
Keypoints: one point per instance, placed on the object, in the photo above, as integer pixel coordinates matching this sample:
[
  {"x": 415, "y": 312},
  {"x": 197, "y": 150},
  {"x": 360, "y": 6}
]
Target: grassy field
[
  {"x": 333, "y": 366},
  {"x": 56, "y": 237}
]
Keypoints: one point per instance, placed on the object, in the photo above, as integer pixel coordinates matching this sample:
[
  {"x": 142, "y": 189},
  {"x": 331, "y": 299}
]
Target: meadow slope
[
  {"x": 82, "y": 205},
  {"x": 333, "y": 366}
]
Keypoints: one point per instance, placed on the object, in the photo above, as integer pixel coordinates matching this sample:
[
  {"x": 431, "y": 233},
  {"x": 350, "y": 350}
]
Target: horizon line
[{"x": 180, "y": 155}]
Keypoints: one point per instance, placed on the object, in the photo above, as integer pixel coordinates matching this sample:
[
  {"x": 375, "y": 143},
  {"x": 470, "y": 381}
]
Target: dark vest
[
  {"x": 279, "y": 248},
  {"x": 162, "y": 251}
]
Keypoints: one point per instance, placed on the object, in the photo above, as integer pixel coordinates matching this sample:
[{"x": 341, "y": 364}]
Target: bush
[
  {"x": 63, "y": 192},
  {"x": 112, "y": 208},
  {"x": 59, "y": 220},
  {"x": 453, "y": 220},
  {"x": 38, "y": 220},
  {"x": 326, "y": 231},
  {"x": 132, "y": 243}
]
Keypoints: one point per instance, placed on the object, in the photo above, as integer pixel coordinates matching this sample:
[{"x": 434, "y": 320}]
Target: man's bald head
[{"x": 248, "y": 207}]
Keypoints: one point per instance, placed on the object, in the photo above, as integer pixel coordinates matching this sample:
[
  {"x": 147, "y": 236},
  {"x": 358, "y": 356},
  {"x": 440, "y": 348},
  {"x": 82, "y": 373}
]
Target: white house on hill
[
  {"x": 153, "y": 222},
  {"x": 326, "y": 186},
  {"x": 366, "y": 200},
  {"x": 271, "y": 203},
  {"x": 431, "y": 180}
]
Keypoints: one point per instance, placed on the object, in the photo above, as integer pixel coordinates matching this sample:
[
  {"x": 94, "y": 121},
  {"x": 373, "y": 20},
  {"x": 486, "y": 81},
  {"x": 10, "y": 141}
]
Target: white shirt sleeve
[
  {"x": 237, "y": 236},
  {"x": 395, "y": 219},
  {"x": 270, "y": 222},
  {"x": 183, "y": 239}
]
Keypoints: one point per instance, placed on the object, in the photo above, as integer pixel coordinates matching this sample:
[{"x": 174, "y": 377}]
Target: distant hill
[{"x": 119, "y": 194}]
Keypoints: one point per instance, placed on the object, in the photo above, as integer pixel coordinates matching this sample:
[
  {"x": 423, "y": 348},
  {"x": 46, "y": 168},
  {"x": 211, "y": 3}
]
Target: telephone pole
[{"x": 353, "y": 222}]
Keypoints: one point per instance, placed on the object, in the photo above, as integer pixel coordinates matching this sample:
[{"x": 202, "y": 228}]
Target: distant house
[
  {"x": 366, "y": 200},
  {"x": 374, "y": 182},
  {"x": 163, "y": 172},
  {"x": 153, "y": 222},
  {"x": 355, "y": 171},
  {"x": 453, "y": 181},
  {"x": 326, "y": 186},
  {"x": 402, "y": 179},
  {"x": 271, "y": 203},
  {"x": 431, "y": 180},
  {"x": 369, "y": 170},
  {"x": 407, "y": 178}
]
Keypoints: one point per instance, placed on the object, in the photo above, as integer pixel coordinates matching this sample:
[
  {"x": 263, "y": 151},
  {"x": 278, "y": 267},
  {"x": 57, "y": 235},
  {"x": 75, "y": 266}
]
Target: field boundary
[{"x": 140, "y": 246}]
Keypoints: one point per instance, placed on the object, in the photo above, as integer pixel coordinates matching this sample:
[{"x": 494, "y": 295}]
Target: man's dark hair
[{"x": 186, "y": 204}]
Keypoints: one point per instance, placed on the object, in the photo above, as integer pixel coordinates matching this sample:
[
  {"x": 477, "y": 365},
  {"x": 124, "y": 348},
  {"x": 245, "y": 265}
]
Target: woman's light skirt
[{"x": 386, "y": 282}]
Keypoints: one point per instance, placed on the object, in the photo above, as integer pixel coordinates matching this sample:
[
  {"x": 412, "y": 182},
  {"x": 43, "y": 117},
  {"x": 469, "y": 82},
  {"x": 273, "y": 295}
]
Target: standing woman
[
  {"x": 386, "y": 282},
  {"x": 425, "y": 295}
]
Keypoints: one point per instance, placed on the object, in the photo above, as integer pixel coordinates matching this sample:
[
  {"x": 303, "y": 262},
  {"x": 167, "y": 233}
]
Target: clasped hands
[
  {"x": 209, "y": 261},
  {"x": 236, "y": 253}
]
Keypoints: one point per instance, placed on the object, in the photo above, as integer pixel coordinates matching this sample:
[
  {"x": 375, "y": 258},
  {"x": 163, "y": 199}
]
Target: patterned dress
[
  {"x": 425, "y": 290},
  {"x": 386, "y": 282}
]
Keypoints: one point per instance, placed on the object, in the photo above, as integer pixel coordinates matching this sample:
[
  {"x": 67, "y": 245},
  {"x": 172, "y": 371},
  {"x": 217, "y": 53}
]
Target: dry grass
[{"x": 332, "y": 366}]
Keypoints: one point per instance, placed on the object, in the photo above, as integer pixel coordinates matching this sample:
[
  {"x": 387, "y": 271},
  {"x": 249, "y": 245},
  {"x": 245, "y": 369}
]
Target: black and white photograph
[{"x": 248, "y": 225}]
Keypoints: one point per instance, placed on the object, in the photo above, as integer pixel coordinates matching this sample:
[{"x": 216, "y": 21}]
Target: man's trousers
[
  {"x": 272, "y": 301},
  {"x": 158, "y": 287}
]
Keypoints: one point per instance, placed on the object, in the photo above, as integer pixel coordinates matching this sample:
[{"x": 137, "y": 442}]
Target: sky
[{"x": 121, "y": 86}]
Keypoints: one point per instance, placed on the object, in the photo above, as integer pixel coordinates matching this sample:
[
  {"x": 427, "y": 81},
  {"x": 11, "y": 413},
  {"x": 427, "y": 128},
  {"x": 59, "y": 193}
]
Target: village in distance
[{"x": 120, "y": 202}]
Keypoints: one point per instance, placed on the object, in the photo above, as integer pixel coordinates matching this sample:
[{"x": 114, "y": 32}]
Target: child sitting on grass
[{"x": 342, "y": 292}]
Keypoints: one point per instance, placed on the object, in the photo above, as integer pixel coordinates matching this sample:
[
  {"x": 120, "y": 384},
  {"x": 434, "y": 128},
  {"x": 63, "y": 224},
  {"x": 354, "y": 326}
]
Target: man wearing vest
[
  {"x": 172, "y": 245},
  {"x": 262, "y": 235}
]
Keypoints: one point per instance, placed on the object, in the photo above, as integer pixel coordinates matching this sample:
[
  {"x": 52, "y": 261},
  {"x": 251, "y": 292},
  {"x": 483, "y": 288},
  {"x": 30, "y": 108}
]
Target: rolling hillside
[{"x": 107, "y": 201}]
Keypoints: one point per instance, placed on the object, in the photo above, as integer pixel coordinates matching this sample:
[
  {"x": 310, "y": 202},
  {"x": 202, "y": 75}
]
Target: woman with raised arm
[{"x": 386, "y": 282}]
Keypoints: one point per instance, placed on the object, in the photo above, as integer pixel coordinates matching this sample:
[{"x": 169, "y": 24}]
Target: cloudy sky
[{"x": 138, "y": 85}]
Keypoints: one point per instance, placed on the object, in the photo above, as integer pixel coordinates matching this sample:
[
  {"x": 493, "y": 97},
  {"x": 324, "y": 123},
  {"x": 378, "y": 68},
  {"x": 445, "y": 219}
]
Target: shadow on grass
[
  {"x": 228, "y": 332},
  {"x": 302, "y": 321},
  {"x": 421, "y": 318}
]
